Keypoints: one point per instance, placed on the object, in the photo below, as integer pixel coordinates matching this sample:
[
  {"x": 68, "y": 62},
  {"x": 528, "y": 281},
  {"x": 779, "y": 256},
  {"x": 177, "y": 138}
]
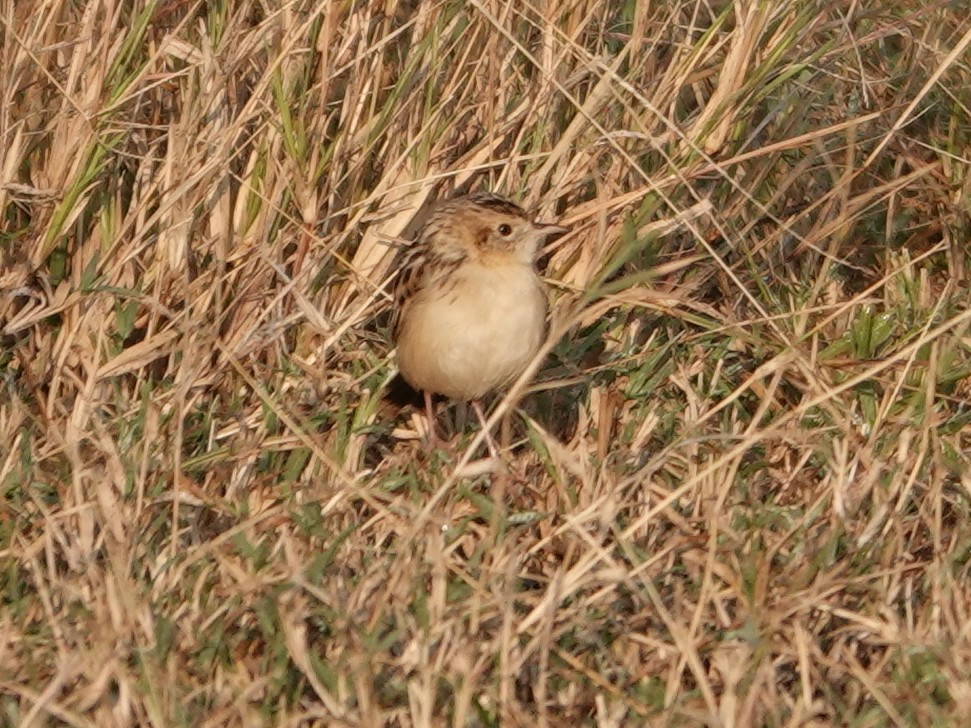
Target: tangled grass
[{"x": 735, "y": 491}]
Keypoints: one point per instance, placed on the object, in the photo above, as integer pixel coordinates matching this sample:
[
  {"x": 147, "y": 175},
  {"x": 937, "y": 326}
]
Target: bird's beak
[{"x": 548, "y": 228}]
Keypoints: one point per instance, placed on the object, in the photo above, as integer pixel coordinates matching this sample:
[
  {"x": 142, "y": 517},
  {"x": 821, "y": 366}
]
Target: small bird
[{"x": 470, "y": 308}]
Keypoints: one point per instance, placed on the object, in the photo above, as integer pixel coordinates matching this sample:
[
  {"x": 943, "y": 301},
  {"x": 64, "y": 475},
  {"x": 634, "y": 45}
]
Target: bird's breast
[{"x": 476, "y": 333}]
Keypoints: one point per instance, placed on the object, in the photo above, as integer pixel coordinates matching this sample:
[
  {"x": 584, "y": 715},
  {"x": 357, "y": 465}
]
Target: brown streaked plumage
[{"x": 470, "y": 308}]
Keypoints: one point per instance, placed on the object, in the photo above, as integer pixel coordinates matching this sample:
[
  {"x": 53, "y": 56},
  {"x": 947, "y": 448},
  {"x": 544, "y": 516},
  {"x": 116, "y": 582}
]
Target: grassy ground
[{"x": 737, "y": 490}]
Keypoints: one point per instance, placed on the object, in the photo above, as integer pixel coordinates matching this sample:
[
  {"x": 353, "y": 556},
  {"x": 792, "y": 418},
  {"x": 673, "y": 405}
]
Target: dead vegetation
[{"x": 738, "y": 487}]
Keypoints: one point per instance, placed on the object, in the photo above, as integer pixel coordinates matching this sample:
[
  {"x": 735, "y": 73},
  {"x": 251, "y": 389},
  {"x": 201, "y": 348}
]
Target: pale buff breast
[{"x": 476, "y": 335}]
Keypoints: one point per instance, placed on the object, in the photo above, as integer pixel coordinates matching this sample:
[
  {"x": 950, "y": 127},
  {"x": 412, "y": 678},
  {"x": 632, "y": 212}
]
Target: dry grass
[{"x": 738, "y": 490}]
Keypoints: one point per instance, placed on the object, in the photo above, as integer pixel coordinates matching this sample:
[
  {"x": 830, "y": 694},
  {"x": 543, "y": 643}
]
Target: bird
[{"x": 469, "y": 305}]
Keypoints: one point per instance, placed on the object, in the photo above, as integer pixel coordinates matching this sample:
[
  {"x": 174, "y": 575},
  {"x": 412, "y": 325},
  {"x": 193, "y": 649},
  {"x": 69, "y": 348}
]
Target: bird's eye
[{"x": 504, "y": 230}]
